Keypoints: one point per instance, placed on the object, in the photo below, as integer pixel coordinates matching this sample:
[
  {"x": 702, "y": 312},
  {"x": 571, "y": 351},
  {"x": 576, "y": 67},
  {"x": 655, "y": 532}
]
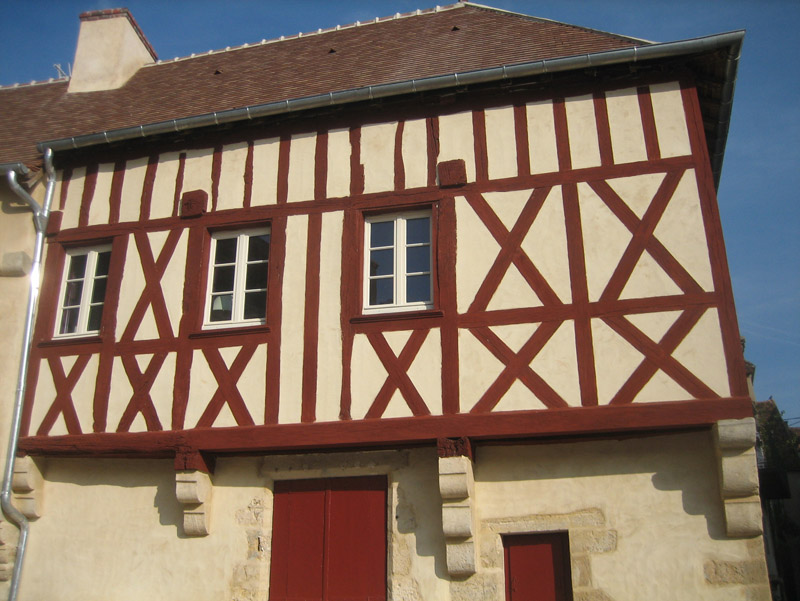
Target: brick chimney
[{"x": 111, "y": 48}]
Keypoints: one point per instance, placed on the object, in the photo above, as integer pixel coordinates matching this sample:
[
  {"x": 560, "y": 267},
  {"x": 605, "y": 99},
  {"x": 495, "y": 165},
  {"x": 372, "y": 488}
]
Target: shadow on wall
[
  {"x": 682, "y": 463},
  {"x": 419, "y": 507},
  {"x": 151, "y": 474}
]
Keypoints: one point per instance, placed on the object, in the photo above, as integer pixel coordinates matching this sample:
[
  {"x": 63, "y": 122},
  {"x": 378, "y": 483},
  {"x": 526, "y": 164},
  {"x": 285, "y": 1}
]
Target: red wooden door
[
  {"x": 329, "y": 540},
  {"x": 537, "y": 567}
]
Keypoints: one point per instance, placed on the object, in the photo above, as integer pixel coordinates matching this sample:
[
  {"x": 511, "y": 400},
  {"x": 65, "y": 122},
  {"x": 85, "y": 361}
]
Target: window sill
[
  {"x": 397, "y": 316},
  {"x": 231, "y": 331},
  {"x": 70, "y": 341}
]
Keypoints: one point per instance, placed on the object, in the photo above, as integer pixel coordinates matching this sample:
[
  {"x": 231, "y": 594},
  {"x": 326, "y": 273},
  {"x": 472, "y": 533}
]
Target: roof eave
[{"x": 731, "y": 40}]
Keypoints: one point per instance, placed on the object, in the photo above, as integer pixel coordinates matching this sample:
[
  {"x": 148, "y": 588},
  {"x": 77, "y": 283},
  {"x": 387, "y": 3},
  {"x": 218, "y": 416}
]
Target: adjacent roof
[{"x": 460, "y": 38}]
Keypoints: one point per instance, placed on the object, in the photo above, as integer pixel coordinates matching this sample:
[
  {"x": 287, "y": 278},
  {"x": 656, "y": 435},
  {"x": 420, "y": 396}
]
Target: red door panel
[
  {"x": 329, "y": 540},
  {"x": 537, "y": 567},
  {"x": 356, "y": 549},
  {"x": 297, "y": 541}
]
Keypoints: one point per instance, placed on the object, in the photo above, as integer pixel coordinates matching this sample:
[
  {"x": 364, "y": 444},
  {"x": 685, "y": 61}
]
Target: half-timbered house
[{"x": 430, "y": 307}]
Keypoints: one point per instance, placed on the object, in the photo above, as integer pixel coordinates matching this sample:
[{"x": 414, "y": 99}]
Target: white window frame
[
  {"x": 82, "y": 327},
  {"x": 240, "y": 274},
  {"x": 399, "y": 277}
]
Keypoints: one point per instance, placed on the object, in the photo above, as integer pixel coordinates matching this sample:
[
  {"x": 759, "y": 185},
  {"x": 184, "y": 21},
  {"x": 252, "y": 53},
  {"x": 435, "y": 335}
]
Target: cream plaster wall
[
  {"x": 163, "y": 199},
  {"x": 301, "y": 167},
  {"x": 546, "y": 245},
  {"x": 197, "y": 171},
  {"x": 670, "y": 118},
  {"x": 473, "y": 260},
  {"x": 329, "y": 346},
  {"x": 366, "y": 376},
  {"x": 173, "y": 278},
  {"x": 377, "y": 156},
  {"x": 137, "y": 547},
  {"x": 644, "y": 518},
  {"x": 582, "y": 125},
  {"x": 72, "y": 204},
  {"x": 82, "y": 395},
  {"x": 339, "y": 151},
  {"x": 293, "y": 319},
  {"x": 644, "y": 521},
  {"x": 625, "y": 124},
  {"x": 456, "y": 140},
  {"x": 16, "y": 235},
  {"x": 501, "y": 142},
  {"x": 681, "y": 230},
  {"x": 132, "y": 188},
  {"x": 542, "y": 149},
  {"x": 415, "y": 153},
  {"x": 265, "y": 171},
  {"x": 231, "y": 176},
  {"x": 101, "y": 199}
]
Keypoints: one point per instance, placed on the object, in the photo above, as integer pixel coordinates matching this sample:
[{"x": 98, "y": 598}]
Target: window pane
[
  {"x": 95, "y": 315},
  {"x": 99, "y": 290},
  {"x": 226, "y": 251},
  {"x": 223, "y": 278},
  {"x": 69, "y": 321},
  {"x": 77, "y": 267},
  {"x": 256, "y": 276},
  {"x": 381, "y": 292},
  {"x": 72, "y": 295},
  {"x": 418, "y": 230},
  {"x": 418, "y": 288},
  {"x": 381, "y": 262},
  {"x": 103, "y": 259},
  {"x": 381, "y": 234},
  {"x": 221, "y": 307},
  {"x": 418, "y": 258},
  {"x": 258, "y": 248},
  {"x": 255, "y": 305}
]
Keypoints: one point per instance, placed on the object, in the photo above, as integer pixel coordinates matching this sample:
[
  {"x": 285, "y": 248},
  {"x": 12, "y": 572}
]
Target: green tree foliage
[{"x": 778, "y": 443}]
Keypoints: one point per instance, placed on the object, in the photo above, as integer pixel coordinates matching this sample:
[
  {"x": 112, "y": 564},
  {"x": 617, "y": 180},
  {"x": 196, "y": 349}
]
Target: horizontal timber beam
[{"x": 570, "y": 422}]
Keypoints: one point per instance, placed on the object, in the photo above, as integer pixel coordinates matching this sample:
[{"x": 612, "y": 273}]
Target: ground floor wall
[{"x": 643, "y": 517}]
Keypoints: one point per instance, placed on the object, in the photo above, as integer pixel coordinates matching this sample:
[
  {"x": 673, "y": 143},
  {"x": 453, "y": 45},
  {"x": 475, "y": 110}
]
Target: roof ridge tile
[{"x": 320, "y": 31}]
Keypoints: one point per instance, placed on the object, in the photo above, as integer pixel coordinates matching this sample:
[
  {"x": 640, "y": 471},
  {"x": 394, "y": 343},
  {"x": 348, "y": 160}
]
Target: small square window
[
  {"x": 83, "y": 291},
  {"x": 237, "y": 281},
  {"x": 398, "y": 274}
]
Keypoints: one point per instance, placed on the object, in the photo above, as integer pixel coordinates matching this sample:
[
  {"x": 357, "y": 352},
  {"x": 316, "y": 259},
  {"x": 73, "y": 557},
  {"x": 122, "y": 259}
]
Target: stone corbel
[
  {"x": 735, "y": 441},
  {"x": 27, "y": 485},
  {"x": 193, "y": 489},
  {"x": 456, "y": 485}
]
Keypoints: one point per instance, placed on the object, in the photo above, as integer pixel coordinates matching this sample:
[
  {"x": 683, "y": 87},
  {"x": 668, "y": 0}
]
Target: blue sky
[{"x": 758, "y": 193}]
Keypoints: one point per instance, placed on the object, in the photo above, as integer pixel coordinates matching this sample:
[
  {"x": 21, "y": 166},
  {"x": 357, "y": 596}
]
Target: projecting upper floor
[{"x": 523, "y": 262}]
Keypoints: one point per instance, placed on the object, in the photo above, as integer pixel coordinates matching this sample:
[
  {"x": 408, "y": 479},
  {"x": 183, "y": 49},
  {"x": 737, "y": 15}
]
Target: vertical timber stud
[
  {"x": 735, "y": 440},
  {"x": 456, "y": 485}
]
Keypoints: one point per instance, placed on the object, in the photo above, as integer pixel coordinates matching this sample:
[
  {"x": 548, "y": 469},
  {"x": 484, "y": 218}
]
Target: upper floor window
[
  {"x": 237, "y": 286},
  {"x": 397, "y": 270},
  {"x": 83, "y": 291}
]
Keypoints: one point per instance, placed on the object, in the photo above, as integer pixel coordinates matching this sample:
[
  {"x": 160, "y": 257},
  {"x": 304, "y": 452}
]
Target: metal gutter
[
  {"x": 40, "y": 218},
  {"x": 20, "y": 168},
  {"x": 732, "y": 40}
]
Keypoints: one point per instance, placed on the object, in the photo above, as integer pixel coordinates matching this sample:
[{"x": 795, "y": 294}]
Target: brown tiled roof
[{"x": 396, "y": 49}]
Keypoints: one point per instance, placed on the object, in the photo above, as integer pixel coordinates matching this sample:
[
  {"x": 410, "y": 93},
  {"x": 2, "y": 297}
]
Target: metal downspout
[{"x": 40, "y": 218}]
